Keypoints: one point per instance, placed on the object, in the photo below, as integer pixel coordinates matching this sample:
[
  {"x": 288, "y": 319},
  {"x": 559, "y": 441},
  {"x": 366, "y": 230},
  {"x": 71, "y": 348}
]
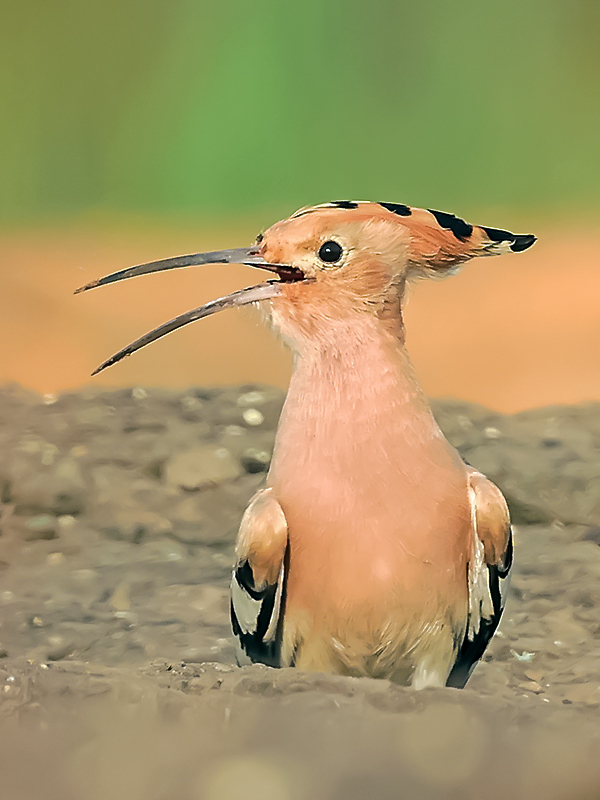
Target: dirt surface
[{"x": 118, "y": 515}]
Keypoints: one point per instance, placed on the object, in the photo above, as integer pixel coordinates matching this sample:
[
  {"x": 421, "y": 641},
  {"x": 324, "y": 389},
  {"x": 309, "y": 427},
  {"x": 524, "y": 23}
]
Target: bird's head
[{"x": 334, "y": 261}]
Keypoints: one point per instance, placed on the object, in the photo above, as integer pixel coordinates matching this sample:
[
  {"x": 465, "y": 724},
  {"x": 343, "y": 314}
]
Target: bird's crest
[{"x": 440, "y": 241}]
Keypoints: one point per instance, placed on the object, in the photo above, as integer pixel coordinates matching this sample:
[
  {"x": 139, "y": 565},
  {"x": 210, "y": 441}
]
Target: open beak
[{"x": 250, "y": 256}]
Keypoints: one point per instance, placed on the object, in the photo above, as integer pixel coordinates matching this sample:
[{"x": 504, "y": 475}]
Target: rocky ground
[{"x": 117, "y": 519}]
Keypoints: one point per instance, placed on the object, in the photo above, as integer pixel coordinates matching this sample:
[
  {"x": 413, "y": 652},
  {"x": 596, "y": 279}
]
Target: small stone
[
  {"x": 191, "y": 403},
  {"x": 164, "y": 550},
  {"x": 524, "y": 656},
  {"x": 40, "y": 522},
  {"x": 535, "y": 675},
  {"x": 267, "y": 400},
  {"x": 204, "y": 465},
  {"x": 248, "y": 399},
  {"x": 59, "y": 648},
  {"x": 55, "y": 558},
  {"x": 254, "y": 460},
  {"x": 531, "y": 686},
  {"x": 233, "y": 430},
  {"x": 61, "y": 490},
  {"x": 131, "y": 524},
  {"x": 42, "y": 526},
  {"x": 139, "y": 393},
  {"x": 130, "y": 617},
  {"x": 252, "y": 416},
  {"x": 492, "y": 433}
]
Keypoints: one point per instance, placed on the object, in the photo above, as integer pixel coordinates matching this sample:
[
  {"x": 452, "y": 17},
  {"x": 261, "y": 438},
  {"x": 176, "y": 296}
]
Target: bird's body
[
  {"x": 367, "y": 484},
  {"x": 373, "y": 550}
]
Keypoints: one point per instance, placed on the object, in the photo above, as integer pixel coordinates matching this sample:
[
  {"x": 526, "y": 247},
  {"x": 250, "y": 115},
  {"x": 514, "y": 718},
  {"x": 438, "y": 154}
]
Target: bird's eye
[{"x": 330, "y": 252}]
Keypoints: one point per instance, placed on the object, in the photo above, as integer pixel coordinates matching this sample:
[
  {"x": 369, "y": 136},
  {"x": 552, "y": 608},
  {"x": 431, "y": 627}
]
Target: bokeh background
[{"x": 136, "y": 129}]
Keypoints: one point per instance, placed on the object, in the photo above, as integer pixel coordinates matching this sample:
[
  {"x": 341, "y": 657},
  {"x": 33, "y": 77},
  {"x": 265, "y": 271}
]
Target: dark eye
[{"x": 330, "y": 252}]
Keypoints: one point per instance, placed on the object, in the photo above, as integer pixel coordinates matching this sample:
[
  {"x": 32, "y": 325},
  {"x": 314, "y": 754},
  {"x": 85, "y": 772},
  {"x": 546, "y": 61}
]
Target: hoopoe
[{"x": 373, "y": 549}]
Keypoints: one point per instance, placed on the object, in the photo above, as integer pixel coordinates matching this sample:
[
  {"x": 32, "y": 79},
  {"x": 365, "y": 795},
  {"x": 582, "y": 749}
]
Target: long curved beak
[{"x": 250, "y": 256}]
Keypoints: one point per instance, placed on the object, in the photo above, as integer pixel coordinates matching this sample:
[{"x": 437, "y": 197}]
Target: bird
[{"x": 372, "y": 549}]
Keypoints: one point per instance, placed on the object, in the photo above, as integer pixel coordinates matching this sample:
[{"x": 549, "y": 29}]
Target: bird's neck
[{"x": 353, "y": 389}]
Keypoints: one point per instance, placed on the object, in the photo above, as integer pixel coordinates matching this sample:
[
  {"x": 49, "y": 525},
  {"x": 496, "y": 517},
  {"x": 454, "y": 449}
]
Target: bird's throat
[{"x": 352, "y": 400}]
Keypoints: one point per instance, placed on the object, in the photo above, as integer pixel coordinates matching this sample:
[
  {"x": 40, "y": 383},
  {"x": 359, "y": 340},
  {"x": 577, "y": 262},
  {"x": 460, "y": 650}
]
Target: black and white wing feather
[
  {"x": 258, "y": 581},
  {"x": 488, "y": 574},
  {"x": 255, "y": 617}
]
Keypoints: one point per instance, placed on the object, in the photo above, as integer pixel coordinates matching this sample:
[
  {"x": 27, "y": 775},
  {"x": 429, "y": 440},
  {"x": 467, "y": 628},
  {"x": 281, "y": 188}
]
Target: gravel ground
[{"x": 117, "y": 520}]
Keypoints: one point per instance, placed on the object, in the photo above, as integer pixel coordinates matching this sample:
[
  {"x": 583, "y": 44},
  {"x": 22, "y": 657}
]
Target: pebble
[
  {"x": 492, "y": 433},
  {"x": 164, "y": 550},
  {"x": 532, "y": 686},
  {"x": 58, "y": 648},
  {"x": 253, "y": 398},
  {"x": 191, "y": 403},
  {"x": 58, "y": 487},
  {"x": 233, "y": 430},
  {"x": 200, "y": 466},
  {"x": 132, "y": 524},
  {"x": 42, "y": 526},
  {"x": 254, "y": 460},
  {"x": 252, "y": 416},
  {"x": 524, "y": 656}
]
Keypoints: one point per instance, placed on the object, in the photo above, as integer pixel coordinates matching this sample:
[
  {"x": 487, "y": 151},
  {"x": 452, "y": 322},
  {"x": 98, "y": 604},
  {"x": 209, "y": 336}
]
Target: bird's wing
[
  {"x": 489, "y": 573},
  {"x": 257, "y": 584}
]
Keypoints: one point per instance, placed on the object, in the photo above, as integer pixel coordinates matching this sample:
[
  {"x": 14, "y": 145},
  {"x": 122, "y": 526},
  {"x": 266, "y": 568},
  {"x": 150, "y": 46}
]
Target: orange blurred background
[{"x": 512, "y": 332}]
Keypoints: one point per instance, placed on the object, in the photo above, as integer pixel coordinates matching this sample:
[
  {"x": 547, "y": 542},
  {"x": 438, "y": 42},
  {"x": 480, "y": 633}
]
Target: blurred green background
[
  {"x": 137, "y": 129},
  {"x": 236, "y": 106}
]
